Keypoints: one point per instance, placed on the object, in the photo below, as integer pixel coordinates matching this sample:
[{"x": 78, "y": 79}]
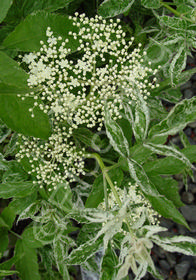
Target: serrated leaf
[
  {"x": 27, "y": 263},
  {"x": 21, "y": 120},
  {"x": 16, "y": 189},
  {"x": 5, "y": 5},
  {"x": 179, "y": 116},
  {"x": 168, "y": 187},
  {"x": 28, "y": 34},
  {"x": 112, "y": 8},
  {"x": 116, "y": 135},
  {"x": 151, "y": 4},
  {"x": 97, "y": 193}
]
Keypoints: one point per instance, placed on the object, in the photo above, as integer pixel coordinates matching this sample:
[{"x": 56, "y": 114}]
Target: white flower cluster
[
  {"x": 74, "y": 90},
  {"x": 139, "y": 206}
]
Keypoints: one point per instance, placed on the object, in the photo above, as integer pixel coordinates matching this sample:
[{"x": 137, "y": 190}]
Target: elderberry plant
[{"x": 90, "y": 144}]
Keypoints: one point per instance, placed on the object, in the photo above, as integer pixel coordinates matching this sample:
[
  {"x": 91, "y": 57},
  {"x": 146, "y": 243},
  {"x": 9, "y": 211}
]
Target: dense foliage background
[{"x": 41, "y": 228}]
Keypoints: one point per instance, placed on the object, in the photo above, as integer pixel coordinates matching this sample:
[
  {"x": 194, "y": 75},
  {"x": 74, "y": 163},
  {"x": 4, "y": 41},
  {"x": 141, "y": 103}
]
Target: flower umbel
[{"x": 74, "y": 89}]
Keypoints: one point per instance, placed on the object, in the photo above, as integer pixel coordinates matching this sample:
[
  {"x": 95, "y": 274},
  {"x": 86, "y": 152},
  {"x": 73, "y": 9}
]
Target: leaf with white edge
[
  {"x": 140, "y": 119},
  {"x": 21, "y": 120},
  {"x": 112, "y": 8},
  {"x": 116, "y": 135},
  {"x": 172, "y": 95},
  {"x": 16, "y": 189},
  {"x": 28, "y": 34},
  {"x": 27, "y": 263},
  {"x": 180, "y": 244},
  {"x": 178, "y": 63},
  {"x": 59, "y": 254},
  {"x": 7, "y": 272},
  {"x": 160, "y": 203},
  {"x": 179, "y": 116},
  {"x": 175, "y": 23},
  {"x": 151, "y": 4},
  {"x": 84, "y": 252},
  {"x": 169, "y": 151},
  {"x": 5, "y": 5}
]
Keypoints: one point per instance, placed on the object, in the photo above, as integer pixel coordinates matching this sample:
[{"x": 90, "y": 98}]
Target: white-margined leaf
[
  {"x": 112, "y": 8},
  {"x": 178, "y": 63},
  {"x": 179, "y": 116},
  {"x": 116, "y": 135},
  {"x": 139, "y": 119},
  {"x": 151, "y": 4},
  {"x": 181, "y": 244},
  {"x": 169, "y": 151}
]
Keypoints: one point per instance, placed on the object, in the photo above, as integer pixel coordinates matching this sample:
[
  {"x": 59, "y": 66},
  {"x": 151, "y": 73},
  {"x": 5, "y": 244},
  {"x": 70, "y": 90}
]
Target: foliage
[{"x": 85, "y": 159}]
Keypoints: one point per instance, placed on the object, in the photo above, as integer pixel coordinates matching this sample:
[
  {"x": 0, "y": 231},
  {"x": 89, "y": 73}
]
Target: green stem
[
  {"x": 14, "y": 233},
  {"x": 175, "y": 12},
  {"x": 105, "y": 192},
  {"x": 107, "y": 177}
]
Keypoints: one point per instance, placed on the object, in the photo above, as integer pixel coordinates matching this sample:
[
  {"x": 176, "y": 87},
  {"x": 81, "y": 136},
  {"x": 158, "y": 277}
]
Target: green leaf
[
  {"x": 21, "y": 8},
  {"x": 168, "y": 187},
  {"x": 3, "y": 240},
  {"x": 151, "y": 4},
  {"x": 17, "y": 189},
  {"x": 164, "y": 166},
  {"x": 179, "y": 116},
  {"x": 172, "y": 95},
  {"x": 169, "y": 151},
  {"x": 20, "y": 118},
  {"x": 27, "y": 263},
  {"x": 97, "y": 193},
  {"x": 11, "y": 75},
  {"x": 87, "y": 137},
  {"x": 29, "y": 237},
  {"x": 116, "y": 135},
  {"x": 8, "y": 215},
  {"x": 62, "y": 197},
  {"x": 109, "y": 264},
  {"x": 5, "y": 5},
  {"x": 20, "y": 204},
  {"x": 112, "y": 8},
  {"x": 7, "y": 272},
  {"x": 28, "y": 34},
  {"x": 160, "y": 203},
  {"x": 4, "y": 132}
]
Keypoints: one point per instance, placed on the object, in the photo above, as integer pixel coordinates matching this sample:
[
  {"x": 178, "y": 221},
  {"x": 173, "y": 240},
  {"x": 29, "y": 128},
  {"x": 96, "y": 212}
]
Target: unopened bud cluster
[{"x": 74, "y": 90}]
